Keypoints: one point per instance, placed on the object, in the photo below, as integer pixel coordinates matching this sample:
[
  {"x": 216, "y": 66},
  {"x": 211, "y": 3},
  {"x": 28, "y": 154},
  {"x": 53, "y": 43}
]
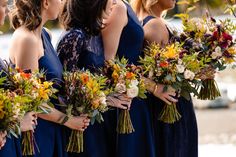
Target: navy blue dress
[
  {"x": 140, "y": 143},
  {"x": 78, "y": 50},
  {"x": 181, "y": 138},
  {"x": 12, "y": 147},
  {"x": 49, "y": 135}
]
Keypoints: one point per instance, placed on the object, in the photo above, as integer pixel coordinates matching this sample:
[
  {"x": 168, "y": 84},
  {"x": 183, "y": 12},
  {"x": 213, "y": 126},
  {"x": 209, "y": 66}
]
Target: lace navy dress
[
  {"x": 49, "y": 135},
  {"x": 140, "y": 143},
  {"x": 78, "y": 50},
  {"x": 181, "y": 138}
]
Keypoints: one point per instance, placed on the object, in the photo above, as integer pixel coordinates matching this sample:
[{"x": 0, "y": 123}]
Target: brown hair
[
  {"x": 84, "y": 14},
  {"x": 27, "y": 13},
  {"x": 144, "y": 5}
]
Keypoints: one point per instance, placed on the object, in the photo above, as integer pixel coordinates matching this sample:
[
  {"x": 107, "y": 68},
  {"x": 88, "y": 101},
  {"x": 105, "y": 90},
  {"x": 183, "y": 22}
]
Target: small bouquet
[
  {"x": 214, "y": 45},
  {"x": 85, "y": 94},
  {"x": 33, "y": 87},
  {"x": 171, "y": 66},
  {"x": 125, "y": 79}
]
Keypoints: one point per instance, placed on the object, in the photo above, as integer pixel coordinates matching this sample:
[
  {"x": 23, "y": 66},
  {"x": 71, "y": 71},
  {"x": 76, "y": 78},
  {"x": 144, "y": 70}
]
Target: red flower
[
  {"x": 215, "y": 35},
  {"x": 227, "y": 37},
  {"x": 164, "y": 64}
]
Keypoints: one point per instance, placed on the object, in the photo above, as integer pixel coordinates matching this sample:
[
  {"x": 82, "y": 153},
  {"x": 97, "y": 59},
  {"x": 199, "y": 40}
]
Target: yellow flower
[
  {"x": 2, "y": 113},
  {"x": 47, "y": 84},
  {"x": 115, "y": 75},
  {"x": 116, "y": 67},
  {"x": 229, "y": 60},
  {"x": 232, "y": 50},
  {"x": 93, "y": 86},
  {"x": 43, "y": 93},
  {"x": 170, "y": 52}
]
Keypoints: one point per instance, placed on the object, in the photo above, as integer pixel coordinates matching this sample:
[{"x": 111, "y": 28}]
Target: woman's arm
[
  {"x": 155, "y": 31},
  {"x": 113, "y": 28},
  {"x": 26, "y": 56}
]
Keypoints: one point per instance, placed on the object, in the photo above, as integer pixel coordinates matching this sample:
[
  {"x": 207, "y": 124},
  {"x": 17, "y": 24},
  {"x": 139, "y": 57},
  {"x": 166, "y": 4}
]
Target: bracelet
[
  {"x": 64, "y": 120},
  {"x": 155, "y": 88}
]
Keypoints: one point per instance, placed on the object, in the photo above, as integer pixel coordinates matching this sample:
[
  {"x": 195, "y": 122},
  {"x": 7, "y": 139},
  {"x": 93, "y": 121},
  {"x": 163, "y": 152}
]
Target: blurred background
[{"x": 216, "y": 119}]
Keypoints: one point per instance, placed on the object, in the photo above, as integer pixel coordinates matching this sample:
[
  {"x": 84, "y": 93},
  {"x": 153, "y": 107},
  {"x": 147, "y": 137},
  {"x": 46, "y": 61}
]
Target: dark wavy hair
[
  {"x": 27, "y": 13},
  {"x": 84, "y": 14}
]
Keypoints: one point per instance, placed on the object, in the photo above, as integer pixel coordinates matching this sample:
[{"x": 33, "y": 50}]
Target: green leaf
[{"x": 185, "y": 94}]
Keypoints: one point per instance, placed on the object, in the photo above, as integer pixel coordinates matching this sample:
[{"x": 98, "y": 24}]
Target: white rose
[
  {"x": 192, "y": 76},
  {"x": 215, "y": 54},
  {"x": 134, "y": 82},
  {"x": 120, "y": 88},
  {"x": 180, "y": 68},
  {"x": 189, "y": 75},
  {"x": 132, "y": 91},
  {"x": 180, "y": 61},
  {"x": 103, "y": 100},
  {"x": 218, "y": 49}
]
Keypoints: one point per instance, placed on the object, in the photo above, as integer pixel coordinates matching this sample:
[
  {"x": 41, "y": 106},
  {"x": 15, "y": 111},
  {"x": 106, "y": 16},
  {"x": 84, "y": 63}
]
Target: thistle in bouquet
[
  {"x": 85, "y": 94},
  {"x": 171, "y": 66},
  {"x": 33, "y": 87},
  {"x": 213, "y": 42},
  {"x": 124, "y": 79}
]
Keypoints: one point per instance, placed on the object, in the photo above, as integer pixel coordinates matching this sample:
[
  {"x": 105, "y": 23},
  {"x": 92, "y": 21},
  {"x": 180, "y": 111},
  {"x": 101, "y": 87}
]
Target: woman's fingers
[{"x": 171, "y": 94}]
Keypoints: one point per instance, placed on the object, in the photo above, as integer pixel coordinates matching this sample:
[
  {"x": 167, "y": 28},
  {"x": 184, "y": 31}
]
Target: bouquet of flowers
[
  {"x": 212, "y": 41},
  {"x": 33, "y": 87},
  {"x": 171, "y": 66},
  {"x": 85, "y": 94},
  {"x": 11, "y": 112},
  {"x": 125, "y": 79}
]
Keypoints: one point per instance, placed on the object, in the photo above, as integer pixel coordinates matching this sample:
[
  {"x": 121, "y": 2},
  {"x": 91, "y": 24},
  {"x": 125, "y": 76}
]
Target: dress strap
[{"x": 147, "y": 19}]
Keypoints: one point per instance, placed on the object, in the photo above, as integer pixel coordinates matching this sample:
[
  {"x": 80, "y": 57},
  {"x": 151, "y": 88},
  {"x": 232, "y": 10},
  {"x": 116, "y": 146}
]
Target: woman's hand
[
  {"x": 158, "y": 91},
  {"x": 121, "y": 101},
  {"x": 79, "y": 123},
  {"x": 3, "y": 135},
  {"x": 166, "y": 96},
  {"x": 28, "y": 122}
]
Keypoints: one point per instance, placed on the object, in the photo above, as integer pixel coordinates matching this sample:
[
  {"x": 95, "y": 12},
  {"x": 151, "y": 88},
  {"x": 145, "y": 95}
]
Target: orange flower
[
  {"x": 18, "y": 70},
  {"x": 130, "y": 75},
  {"x": 164, "y": 64},
  {"x": 84, "y": 78},
  {"x": 25, "y": 75},
  {"x": 95, "y": 103}
]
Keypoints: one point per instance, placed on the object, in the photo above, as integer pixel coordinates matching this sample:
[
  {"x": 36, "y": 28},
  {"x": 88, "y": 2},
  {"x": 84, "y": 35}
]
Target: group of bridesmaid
[{"x": 95, "y": 31}]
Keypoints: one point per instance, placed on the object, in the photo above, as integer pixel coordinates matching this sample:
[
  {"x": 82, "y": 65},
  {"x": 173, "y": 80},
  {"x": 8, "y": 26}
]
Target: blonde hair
[{"x": 143, "y": 5}]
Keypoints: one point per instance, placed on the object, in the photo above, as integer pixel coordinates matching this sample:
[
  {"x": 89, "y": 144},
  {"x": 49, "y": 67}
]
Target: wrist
[
  {"x": 154, "y": 89},
  {"x": 64, "y": 119}
]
